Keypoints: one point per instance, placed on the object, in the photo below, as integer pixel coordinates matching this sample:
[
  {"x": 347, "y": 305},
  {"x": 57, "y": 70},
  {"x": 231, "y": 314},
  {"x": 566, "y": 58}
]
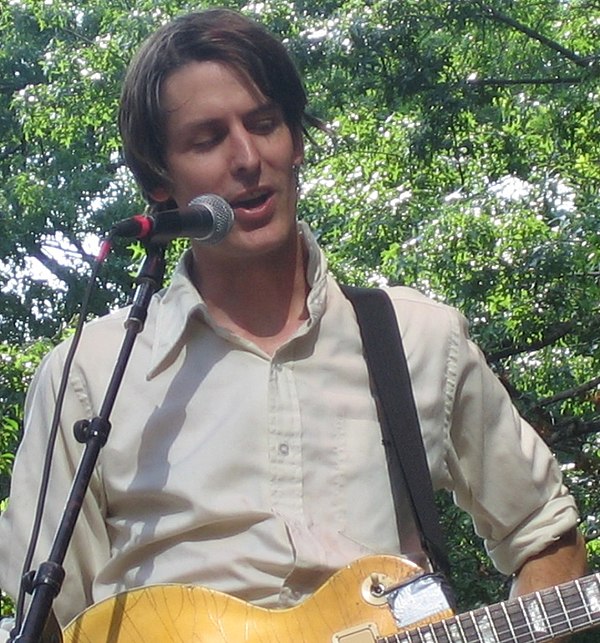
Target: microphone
[{"x": 208, "y": 218}]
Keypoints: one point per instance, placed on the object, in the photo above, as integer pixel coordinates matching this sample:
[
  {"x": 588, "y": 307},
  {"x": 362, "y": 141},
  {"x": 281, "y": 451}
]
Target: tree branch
[
  {"x": 574, "y": 427},
  {"x": 58, "y": 270},
  {"x": 550, "y": 429},
  {"x": 544, "y": 40},
  {"x": 556, "y": 332},
  {"x": 560, "y": 330},
  {"x": 572, "y": 392},
  {"x": 507, "y": 82}
]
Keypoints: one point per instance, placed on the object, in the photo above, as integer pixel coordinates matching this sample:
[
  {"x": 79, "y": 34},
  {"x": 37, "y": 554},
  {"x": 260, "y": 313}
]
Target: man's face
[{"x": 224, "y": 137}]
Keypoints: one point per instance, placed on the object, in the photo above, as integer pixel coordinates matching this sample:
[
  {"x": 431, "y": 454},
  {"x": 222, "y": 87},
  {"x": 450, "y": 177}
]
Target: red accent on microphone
[{"x": 146, "y": 225}]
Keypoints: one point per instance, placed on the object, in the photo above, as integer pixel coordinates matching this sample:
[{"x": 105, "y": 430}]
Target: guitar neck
[{"x": 542, "y": 616}]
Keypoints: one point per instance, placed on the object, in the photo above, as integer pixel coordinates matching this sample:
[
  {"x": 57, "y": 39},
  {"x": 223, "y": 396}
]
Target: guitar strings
[{"x": 469, "y": 628}]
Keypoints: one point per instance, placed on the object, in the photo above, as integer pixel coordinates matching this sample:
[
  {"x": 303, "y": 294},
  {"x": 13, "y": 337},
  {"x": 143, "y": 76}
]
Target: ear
[
  {"x": 160, "y": 194},
  {"x": 298, "y": 141}
]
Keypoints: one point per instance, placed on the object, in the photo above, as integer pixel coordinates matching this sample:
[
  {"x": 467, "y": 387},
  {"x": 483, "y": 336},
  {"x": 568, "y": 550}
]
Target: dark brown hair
[{"x": 213, "y": 34}]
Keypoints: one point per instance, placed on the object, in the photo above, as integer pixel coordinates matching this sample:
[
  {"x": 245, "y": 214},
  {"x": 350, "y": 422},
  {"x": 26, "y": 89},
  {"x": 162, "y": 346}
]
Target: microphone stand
[{"x": 45, "y": 584}]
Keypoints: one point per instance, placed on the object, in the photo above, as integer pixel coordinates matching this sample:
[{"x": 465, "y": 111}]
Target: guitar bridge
[{"x": 366, "y": 633}]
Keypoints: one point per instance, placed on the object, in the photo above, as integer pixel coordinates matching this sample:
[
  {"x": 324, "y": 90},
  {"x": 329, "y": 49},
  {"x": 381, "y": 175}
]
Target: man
[{"x": 246, "y": 452}]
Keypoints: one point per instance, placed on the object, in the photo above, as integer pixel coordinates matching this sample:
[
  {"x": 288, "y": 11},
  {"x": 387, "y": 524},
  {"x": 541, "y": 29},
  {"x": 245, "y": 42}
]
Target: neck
[{"x": 260, "y": 298}]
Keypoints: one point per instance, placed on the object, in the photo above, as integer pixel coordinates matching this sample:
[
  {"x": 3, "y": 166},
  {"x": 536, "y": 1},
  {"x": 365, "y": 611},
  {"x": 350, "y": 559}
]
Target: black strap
[{"x": 402, "y": 438}]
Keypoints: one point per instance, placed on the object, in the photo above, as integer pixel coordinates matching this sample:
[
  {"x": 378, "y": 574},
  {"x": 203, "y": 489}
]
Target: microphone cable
[
  {"x": 27, "y": 575},
  {"x": 221, "y": 220}
]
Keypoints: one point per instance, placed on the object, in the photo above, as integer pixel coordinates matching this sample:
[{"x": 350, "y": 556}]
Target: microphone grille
[{"x": 222, "y": 214}]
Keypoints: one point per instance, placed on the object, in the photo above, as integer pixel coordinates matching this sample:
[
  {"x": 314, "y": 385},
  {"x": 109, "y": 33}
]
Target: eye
[
  {"x": 203, "y": 144},
  {"x": 265, "y": 125},
  {"x": 265, "y": 122},
  {"x": 207, "y": 140}
]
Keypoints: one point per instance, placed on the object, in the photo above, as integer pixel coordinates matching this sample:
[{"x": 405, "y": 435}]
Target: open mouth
[{"x": 250, "y": 204}]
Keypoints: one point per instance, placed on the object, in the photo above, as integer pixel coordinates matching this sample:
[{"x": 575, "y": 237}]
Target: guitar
[{"x": 353, "y": 606}]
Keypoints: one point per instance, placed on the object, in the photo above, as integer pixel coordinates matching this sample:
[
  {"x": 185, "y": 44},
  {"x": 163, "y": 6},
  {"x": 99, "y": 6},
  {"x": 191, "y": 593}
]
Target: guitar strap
[{"x": 407, "y": 462}]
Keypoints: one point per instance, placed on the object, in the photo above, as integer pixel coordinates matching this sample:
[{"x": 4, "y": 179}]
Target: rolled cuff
[{"x": 536, "y": 533}]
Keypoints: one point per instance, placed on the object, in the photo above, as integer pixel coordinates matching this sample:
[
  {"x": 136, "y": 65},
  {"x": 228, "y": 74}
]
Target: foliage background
[{"x": 463, "y": 159}]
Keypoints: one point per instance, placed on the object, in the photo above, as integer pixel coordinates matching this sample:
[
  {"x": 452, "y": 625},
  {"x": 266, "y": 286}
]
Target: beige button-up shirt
[{"x": 259, "y": 476}]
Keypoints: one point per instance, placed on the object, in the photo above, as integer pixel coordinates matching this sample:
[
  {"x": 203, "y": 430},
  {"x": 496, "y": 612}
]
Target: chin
[{"x": 265, "y": 240}]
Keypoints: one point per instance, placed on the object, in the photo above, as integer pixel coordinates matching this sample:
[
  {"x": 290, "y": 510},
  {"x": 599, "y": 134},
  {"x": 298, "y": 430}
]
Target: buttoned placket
[{"x": 285, "y": 442}]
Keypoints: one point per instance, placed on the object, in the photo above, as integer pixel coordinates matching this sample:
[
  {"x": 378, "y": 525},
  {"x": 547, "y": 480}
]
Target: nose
[{"x": 245, "y": 157}]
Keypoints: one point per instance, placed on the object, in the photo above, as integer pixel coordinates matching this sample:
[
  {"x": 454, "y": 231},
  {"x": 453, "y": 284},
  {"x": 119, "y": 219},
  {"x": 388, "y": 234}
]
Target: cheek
[
  {"x": 282, "y": 163},
  {"x": 191, "y": 177}
]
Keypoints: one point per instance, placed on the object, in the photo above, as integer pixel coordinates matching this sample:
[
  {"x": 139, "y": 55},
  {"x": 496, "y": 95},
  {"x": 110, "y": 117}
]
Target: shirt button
[{"x": 284, "y": 449}]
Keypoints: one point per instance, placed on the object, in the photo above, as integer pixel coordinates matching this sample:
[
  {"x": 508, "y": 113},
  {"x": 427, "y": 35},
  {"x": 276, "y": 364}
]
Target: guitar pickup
[{"x": 366, "y": 633}]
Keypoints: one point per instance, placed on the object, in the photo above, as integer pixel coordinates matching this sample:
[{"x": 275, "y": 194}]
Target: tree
[
  {"x": 462, "y": 159},
  {"x": 466, "y": 136}
]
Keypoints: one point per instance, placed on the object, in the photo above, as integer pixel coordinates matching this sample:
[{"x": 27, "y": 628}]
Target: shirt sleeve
[
  {"x": 497, "y": 467},
  {"x": 89, "y": 545},
  {"x": 6, "y": 626}
]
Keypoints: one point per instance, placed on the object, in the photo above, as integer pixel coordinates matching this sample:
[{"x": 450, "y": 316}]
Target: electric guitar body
[{"x": 377, "y": 599}]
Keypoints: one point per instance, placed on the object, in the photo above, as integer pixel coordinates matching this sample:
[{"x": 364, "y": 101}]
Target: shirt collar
[{"x": 180, "y": 302}]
